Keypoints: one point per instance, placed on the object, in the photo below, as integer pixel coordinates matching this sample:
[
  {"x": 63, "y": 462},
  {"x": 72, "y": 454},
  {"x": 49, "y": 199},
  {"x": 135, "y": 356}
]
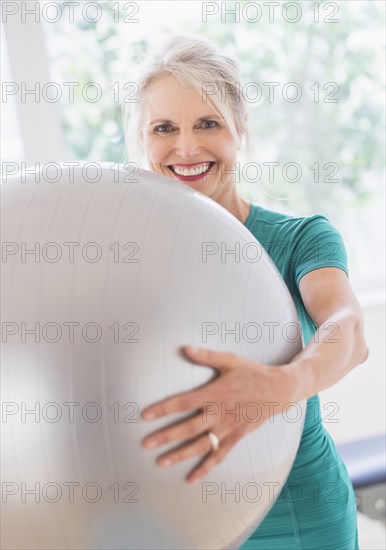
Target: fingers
[
  {"x": 186, "y": 429},
  {"x": 193, "y": 431},
  {"x": 185, "y": 401},
  {"x": 188, "y": 400},
  {"x": 214, "y": 458},
  {"x": 198, "y": 447}
]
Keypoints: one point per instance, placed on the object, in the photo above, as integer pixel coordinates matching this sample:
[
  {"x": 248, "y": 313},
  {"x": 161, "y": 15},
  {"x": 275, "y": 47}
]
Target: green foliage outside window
[{"x": 337, "y": 143}]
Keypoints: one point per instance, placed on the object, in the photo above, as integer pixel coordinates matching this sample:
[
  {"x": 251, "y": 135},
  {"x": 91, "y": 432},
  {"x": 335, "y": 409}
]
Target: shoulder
[
  {"x": 293, "y": 227},
  {"x": 296, "y": 244},
  {"x": 287, "y": 220}
]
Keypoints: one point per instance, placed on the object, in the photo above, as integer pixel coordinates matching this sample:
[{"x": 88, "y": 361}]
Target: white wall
[{"x": 39, "y": 120}]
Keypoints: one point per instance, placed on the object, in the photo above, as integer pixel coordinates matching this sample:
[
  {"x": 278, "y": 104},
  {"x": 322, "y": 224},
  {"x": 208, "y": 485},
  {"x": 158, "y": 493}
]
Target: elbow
[
  {"x": 365, "y": 352},
  {"x": 361, "y": 347}
]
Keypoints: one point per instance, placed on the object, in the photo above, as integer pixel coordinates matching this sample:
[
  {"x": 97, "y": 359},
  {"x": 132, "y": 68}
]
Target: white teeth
[{"x": 192, "y": 171}]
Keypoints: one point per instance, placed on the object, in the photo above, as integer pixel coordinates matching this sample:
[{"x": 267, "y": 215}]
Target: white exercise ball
[{"x": 107, "y": 272}]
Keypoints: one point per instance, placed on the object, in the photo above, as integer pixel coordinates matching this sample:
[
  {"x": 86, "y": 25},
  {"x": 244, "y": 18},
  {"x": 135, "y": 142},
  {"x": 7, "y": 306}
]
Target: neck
[{"x": 234, "y": 204}]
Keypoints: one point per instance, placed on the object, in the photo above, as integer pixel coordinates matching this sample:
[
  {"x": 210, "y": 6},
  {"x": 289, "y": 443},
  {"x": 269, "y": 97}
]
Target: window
[{"x": 315, "y": 91}]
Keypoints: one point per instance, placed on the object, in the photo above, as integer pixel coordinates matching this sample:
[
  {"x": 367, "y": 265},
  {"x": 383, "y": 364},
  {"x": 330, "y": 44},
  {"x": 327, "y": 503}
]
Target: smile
[{"x": 191, "y": 171}]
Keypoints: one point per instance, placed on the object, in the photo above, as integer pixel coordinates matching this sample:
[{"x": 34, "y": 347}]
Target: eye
[
  {"x": 157, "y": 128},
  {"x": 211, "y": 122}
]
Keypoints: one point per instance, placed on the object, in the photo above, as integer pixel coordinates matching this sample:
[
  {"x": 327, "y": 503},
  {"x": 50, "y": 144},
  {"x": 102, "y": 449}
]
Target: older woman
[{"x": 189, "y": 123}]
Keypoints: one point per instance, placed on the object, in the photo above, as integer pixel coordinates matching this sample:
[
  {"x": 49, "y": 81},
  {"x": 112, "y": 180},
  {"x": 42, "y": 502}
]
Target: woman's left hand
[{"x": 238, "y": 401}]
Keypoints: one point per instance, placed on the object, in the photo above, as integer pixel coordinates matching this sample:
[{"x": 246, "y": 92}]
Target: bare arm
[{"x": 338, "y": 345}]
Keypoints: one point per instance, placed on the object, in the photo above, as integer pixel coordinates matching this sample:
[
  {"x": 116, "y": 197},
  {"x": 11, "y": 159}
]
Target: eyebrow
[{"x": 166, "y": 121}]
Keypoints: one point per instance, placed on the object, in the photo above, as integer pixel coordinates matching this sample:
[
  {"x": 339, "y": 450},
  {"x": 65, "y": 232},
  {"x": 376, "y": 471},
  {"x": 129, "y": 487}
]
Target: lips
[
  {"x": 191, "y": 165},
  {"x": 176, "y": 168}
]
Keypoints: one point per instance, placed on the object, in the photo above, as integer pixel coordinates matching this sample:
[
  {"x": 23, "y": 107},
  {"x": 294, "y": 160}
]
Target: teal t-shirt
[{"x": 316, "y": 508}]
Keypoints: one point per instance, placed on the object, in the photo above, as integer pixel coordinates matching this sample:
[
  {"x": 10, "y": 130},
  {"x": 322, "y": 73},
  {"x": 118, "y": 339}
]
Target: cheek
[
  {"x": 228, "y": 153},
  {"x": 156, "y": 150},
  {"x": 224, "y": 148},
  {"x": 151, "y": 149}
]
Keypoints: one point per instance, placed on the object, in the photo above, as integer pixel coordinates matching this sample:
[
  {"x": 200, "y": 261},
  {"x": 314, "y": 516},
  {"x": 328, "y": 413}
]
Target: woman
[{"x": 190, "y": 120}]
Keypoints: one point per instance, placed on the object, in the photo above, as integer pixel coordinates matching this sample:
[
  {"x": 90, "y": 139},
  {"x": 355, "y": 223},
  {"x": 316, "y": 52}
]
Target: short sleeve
[{"x": 320, "y": 245}]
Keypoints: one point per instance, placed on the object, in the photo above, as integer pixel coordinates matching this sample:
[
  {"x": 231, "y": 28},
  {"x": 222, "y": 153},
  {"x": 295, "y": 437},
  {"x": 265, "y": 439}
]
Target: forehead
[{"x": 167, "y": 97}]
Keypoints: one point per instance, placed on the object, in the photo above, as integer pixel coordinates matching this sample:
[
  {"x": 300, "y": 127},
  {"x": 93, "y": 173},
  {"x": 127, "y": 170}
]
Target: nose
[{"x": 187, "y": 145}]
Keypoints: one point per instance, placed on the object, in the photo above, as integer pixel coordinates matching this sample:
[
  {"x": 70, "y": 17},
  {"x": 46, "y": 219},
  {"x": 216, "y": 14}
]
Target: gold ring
[{"x": 214, "y": 441}]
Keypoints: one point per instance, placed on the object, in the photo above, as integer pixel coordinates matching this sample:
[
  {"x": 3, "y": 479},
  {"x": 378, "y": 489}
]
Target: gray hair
[{"x": 196, "y": 63}]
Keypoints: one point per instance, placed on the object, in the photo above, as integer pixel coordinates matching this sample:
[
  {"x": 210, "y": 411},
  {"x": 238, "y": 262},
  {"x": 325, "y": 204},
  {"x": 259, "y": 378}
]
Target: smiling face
[{"x": 185, "y": 139}]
